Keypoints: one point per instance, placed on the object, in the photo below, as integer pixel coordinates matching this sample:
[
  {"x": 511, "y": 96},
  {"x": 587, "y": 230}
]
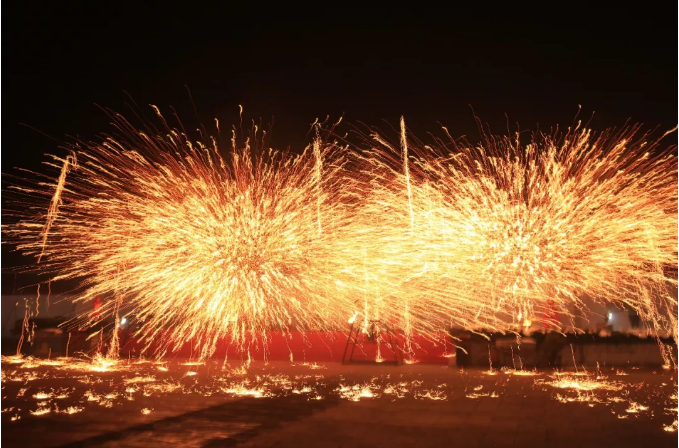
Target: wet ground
[{"x": 179, "y": 403}]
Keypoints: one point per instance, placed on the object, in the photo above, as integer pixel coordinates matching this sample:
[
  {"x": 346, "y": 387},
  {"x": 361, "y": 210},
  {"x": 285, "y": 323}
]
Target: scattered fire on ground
[{"x": 35, "y": 387}]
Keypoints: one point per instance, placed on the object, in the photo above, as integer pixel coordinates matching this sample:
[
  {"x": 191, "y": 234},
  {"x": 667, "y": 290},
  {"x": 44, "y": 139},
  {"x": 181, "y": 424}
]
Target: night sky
[{"x": 536, "y": 66}]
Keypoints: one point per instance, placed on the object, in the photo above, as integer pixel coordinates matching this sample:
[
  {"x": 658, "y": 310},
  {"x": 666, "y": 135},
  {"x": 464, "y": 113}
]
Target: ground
[{"x": 177, "y": 403}]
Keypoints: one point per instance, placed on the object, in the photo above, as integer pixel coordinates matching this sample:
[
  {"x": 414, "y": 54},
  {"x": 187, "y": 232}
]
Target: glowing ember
[
  {"x": 41, "y": 411},
  {"x": 313, "y": 366},
  {"x": 636, "y": 408},
  {"x": 91, "y": 396},
  {"x": 15, "y": 359},
  {"x": 242, "y": 390},
  {"x": 516, "y": 372},
  {"x": 432, "y": 395},
  {"x": 356, "y": 392},
  {"x": 304, "y": 390},
  {"x": 42, "y": 396},
  {"x": 475, "y": 395},
  {"x": 576, "y": 383},
  {"x": 139, "y": 379}
]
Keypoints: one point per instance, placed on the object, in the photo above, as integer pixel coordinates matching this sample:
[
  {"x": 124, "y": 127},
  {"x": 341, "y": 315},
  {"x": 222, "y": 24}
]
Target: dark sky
[{"x": 535, "y": 66}]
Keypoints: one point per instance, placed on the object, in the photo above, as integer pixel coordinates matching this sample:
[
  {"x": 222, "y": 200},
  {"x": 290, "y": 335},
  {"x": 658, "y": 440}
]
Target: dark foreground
[{"x": 303, "y": 405}]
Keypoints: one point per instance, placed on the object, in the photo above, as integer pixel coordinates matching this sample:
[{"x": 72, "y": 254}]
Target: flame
[
  {"x": 241, "y": 390},
  {"x": 635, "y": 408},
  {"x": 42, "y": 396},
  {"x": 41, "y": 411},
  {"x": 73, "y": 410}
]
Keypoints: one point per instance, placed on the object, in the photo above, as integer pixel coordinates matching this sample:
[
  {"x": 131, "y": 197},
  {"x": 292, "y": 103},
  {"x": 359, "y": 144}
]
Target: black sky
[{"x": 535, "y": 65}]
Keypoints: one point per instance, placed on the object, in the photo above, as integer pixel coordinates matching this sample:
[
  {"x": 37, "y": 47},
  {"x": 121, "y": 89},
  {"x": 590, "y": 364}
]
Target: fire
[
  {"x": 304, "y": 390},
  {"x": 476, "y": 395},
  {"x": 41, "y": 411},
  {"x": 355, "y": 392},
  {"x": 435, "y": 395},
  {"x": 14, "y": 359},
  {"x": 42, "y": 396},
  {"x": 99, "y": 363},
  {"x": 241, "y": 390},
  {"x": 517, "y": 372},
  {"x": 139, "y": 379},
  {"x": 580, "y": 384},
  {"x": 635, "y": 408},
  {"x": 313, "y": 366}
]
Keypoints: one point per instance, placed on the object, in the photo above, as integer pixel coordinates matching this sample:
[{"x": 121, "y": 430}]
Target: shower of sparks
[
  {"x": 201, "y": 246},
  {"x": 510, "y": 232}
]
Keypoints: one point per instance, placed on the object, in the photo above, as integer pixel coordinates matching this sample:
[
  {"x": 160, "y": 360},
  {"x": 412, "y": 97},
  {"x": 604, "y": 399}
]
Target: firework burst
[
  {"x": 486, "y": 236},
  {"x": 203, "y": 246},
  {"x": 198, "y": 245}
]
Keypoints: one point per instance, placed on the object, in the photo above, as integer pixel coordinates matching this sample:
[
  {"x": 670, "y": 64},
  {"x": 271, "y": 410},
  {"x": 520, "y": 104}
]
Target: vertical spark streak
[
  {"x": 68, "y": 342},
  {"x": 56, "y": 199},
  {"x": 404, "y": 148},
  {"x": 114, "y": 346},
  {"x": 24, "y": 328},
  {"x": 317, "y": 175},
  {"x": 406, "y": 171},
  {"x": 49, "y": 292},
  {"x": 226, "y": 358},
  {"x": 366, "y": 309}
]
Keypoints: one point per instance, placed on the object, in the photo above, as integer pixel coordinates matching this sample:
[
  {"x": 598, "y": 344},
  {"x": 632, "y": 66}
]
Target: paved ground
[{"x": 333, "y": 406}]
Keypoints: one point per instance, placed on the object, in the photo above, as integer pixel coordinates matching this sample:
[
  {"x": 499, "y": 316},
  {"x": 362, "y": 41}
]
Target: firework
[
  {"x": 492, "y": 235},
  {"x": 199, "y": 246},
  {"x": 202, "y": 246}
]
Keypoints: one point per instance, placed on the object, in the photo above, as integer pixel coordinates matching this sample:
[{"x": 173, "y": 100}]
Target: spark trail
[
  {"x": 502, "y": 229},
  {"x": 203, "y": 246},
  {"x": 197, "y": 245}
]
